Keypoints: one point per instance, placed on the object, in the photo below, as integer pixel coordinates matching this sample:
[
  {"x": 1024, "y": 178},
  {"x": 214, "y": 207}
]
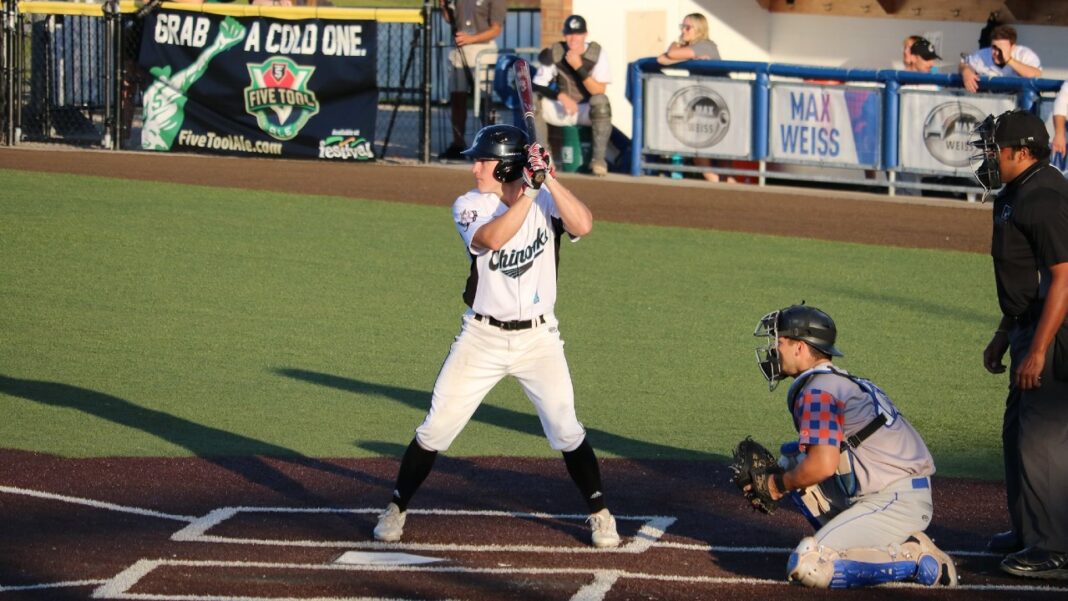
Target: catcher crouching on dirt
[{"x": 859, "y": 471}]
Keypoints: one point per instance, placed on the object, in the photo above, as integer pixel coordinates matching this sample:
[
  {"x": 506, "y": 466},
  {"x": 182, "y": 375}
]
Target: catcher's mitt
[{"x": 751, "y": 465}]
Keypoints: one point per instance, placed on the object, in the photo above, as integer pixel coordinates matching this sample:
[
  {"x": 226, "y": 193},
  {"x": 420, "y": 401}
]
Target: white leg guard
[
  {"x": 811, "y": 565},
  {"x": 935, "y": 566},
  {"x": 917, "y": 559}
]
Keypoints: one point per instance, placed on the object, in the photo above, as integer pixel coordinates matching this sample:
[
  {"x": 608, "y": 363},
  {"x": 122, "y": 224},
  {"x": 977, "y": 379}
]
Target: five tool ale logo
[{"x": 279, "y": 97}]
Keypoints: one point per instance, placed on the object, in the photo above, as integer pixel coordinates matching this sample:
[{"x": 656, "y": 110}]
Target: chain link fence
[
  {"x": 60, "y": 72},
  {"x": 69, "y": 74}
]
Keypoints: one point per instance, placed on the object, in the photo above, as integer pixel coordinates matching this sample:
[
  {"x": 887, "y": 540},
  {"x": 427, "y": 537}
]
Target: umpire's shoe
[
  {"x": 1034, "y": 562},
  {"x": 603, "y": 526},
  {"x": 390, "y": 524}
]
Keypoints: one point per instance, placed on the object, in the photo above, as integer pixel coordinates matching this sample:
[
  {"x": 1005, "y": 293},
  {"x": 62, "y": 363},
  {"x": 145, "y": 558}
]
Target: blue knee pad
[{"x": 851, "y": 574}]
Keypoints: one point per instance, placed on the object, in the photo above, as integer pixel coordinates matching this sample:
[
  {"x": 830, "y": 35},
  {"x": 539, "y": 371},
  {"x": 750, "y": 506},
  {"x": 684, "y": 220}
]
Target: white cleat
[
  {"x": 603, "y": 526},
  {"x": 390, "y": 524}
]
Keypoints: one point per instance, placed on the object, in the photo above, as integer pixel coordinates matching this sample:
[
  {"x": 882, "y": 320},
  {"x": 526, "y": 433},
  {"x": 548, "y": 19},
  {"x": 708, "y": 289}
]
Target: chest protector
[
  {"x": 885, "y": 415},
  {"x": 566, "y": 78}
]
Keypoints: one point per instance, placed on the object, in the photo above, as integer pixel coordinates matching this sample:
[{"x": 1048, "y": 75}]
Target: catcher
[{"x": 859, "y": 471}]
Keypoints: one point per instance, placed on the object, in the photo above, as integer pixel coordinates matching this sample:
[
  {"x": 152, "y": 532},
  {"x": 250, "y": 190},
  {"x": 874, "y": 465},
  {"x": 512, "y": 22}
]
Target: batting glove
[
  {"x": 537, "y": 164},
  {"x": 537, "y": 152},
  {"x": 530, "y": 187}
]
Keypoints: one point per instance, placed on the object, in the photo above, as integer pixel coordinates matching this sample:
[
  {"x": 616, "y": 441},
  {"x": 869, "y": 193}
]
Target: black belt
[
  {"x": 515, "y": 324},
  {"x": 1030, "y": 316}
]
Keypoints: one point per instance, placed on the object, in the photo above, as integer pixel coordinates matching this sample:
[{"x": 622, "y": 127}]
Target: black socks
[
  {"x": 414, "y": 468},
  {"x": 582, "y": 466}
]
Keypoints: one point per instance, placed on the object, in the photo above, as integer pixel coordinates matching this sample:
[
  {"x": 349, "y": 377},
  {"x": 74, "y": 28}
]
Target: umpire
[{"x": 1030, "y": 252}]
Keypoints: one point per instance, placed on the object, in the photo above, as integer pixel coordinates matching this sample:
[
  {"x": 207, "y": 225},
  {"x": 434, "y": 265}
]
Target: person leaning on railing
[
  {"x": 1004, "y": 58},
  {"x": 694, "y": 44}
]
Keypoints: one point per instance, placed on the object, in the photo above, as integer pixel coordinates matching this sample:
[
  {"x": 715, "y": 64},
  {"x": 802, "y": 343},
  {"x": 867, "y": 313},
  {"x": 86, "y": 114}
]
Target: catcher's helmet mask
[
  {"x": 798, "y": 322},
  {"x": 504, "y": 143}
]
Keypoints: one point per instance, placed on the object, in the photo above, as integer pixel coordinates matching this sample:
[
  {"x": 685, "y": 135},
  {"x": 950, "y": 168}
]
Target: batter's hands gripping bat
[{"x": 525, "y": 90}]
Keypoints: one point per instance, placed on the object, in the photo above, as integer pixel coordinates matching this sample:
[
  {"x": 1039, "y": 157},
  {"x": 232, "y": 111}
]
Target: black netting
[
  {"x": 76, "y": 80},
  {"x": 61, "y": 79}
]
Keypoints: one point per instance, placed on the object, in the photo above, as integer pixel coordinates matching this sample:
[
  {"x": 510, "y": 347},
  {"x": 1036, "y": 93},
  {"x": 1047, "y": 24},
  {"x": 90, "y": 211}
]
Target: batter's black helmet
[
  {"x": 504, "y": 143},
  {"x": 810, "y": 325}
]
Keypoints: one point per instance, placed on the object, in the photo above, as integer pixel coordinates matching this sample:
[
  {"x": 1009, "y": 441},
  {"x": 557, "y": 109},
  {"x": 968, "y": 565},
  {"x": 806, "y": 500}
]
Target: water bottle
[{"x": 676, "y": 160}]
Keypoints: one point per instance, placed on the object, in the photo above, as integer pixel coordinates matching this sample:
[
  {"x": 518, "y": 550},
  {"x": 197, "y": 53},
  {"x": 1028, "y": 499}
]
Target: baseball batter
[
  {"x": 511, "y": 231},
  {"x": 860, "y": 471}
]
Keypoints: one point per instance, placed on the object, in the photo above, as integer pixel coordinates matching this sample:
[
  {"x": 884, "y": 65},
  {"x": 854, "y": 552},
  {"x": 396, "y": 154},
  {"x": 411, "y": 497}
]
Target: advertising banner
[
  {"x": 825, "y": 125},
  {"x": 936, "y": 129},
  {"x": 698, "y": 116},
  {"x": 257, "y": 86}
]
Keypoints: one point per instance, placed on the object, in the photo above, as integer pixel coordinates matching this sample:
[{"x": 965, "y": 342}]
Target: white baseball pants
[
  {"x": 554, "y": 114},
  {"x": 480, "y": 357},
  {"x": 883, "y": 518}
]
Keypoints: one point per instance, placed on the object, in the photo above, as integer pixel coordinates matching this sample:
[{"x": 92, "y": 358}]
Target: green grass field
[{"x": 152, "y": 319}]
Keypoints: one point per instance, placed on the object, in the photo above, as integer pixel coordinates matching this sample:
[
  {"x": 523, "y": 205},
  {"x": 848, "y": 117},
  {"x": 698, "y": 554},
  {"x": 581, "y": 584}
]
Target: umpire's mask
[{"x": 985, "y": 162}]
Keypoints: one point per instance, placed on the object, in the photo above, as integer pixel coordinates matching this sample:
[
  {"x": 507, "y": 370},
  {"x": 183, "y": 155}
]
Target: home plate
[{"x": 383, "y": 559}]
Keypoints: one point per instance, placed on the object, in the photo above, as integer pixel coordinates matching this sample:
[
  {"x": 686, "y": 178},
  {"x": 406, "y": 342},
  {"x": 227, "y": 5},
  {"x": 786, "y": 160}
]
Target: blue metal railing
[{"x": 1027, "y": 94}]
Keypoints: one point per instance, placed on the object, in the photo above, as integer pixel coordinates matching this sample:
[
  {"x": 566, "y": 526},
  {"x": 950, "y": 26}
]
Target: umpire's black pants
[{"x": 1035, "y": 439}]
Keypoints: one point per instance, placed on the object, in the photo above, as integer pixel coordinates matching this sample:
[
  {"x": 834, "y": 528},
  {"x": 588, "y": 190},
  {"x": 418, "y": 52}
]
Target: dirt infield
[
  {"x": 851, "y": 217},
  {"x": 487, "y": 528},
  {"x": 276, "y": 528}
]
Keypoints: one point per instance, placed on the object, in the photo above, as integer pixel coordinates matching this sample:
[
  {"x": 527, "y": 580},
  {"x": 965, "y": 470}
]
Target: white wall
[
  {"x": 745, "y": 32},
  {"x": 876, "y": 43}
]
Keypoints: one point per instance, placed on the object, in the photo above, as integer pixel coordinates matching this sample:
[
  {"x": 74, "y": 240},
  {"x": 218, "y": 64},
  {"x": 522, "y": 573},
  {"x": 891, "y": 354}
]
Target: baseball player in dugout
[
  {"x": 1030, "y": 253},
  {"x": 859, "y": 471},
  {"x": 475, "y": 26},
  {"x": 511, "y": 230},
  {"x": 580, "y": 72}
]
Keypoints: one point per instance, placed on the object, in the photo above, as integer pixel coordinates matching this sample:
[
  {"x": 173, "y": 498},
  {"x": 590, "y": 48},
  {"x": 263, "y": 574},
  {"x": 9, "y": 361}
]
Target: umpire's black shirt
[{"x": 1030, "y": 235}]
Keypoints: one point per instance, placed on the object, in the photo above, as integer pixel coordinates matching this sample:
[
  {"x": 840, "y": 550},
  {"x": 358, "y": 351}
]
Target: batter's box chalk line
[
  {"x": 602, "y": 580},
  {"x": 651, "y": 530}
]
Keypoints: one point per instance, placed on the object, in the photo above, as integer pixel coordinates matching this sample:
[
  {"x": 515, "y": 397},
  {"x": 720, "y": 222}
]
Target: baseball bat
[{"x": 525, "y": 90}]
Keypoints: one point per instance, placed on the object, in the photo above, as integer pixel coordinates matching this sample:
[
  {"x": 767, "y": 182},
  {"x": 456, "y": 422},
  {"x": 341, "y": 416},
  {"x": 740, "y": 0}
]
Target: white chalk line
[
  {"x": 197, "y": 531},
  {"x": 647, "y": 537},
  {"x": 35, "y": 587},
  {"x": 603, "y": 580},
  {"x": 96, "y": 504},
  {"x": 725, "y": 549}
]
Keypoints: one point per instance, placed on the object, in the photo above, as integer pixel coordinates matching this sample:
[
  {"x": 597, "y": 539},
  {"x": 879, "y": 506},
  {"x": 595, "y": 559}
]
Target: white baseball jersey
[
  {"x": 519, "y": 280},
  {"x": 982, "y": 61}
]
